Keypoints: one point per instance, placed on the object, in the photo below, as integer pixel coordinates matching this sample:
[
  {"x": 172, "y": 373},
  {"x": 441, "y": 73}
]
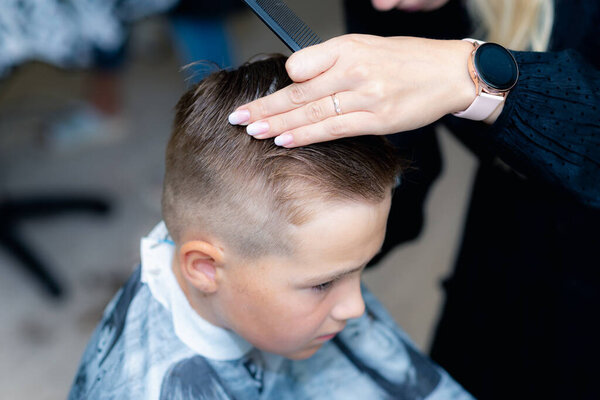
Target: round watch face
[{"x": 495, "y": 66}]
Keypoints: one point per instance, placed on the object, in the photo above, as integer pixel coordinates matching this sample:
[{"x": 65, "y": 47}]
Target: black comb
[{"x": 284, "y": 23}]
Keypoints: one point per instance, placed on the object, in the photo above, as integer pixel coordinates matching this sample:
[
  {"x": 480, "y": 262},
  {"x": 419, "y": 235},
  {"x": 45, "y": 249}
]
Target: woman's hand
[{"x": 382, "y": 86}]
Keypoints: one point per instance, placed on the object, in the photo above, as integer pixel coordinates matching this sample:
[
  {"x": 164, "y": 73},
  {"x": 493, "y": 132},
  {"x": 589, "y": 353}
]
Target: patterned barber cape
[{"x": 150, "y": 344}]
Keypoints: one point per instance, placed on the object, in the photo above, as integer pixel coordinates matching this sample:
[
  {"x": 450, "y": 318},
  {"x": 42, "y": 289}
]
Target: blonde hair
[{"x": 515, "y": 24}]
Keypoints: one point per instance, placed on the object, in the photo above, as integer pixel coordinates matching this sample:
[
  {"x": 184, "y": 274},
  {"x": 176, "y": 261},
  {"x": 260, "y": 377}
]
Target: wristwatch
[{"x": 494, "y": 71}]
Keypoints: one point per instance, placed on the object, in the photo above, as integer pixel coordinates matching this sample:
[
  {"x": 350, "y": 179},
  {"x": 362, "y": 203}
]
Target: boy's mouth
[{"x": 325, "y": 338}]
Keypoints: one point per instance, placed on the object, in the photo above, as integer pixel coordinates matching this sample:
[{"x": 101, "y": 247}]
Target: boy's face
[{"x": 291, "y": 305}]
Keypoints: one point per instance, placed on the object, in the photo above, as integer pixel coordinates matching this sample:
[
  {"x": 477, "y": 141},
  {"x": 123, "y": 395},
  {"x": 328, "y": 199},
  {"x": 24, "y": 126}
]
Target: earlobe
[{"x": 199, "y": 261}]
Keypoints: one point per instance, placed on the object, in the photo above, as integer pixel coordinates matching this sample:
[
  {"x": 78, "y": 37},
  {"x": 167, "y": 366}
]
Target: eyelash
[{"x": 323, "y": 286}]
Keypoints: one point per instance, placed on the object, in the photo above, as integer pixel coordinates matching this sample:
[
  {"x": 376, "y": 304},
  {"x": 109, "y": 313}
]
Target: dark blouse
[
  {"x": 522, "y": 300},
  {"x": 550, "y": 126}
]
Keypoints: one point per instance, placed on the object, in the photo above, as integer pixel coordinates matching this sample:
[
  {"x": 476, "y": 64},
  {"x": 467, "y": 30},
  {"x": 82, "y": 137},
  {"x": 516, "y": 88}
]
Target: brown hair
[{"x": 222, "y": 182}]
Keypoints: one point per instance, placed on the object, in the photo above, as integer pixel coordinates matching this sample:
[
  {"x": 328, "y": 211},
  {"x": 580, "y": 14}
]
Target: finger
[
  {"x": 302, "y": 66},
  {"x": 308, "y": 114},
  {"x": 353, "y": 124},
  {"x": 312, "y": 61},
  {"x": 292, "y": 97}
]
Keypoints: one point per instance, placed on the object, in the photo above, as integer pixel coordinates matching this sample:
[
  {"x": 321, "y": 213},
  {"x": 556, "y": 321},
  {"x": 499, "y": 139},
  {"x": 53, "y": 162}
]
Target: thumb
[{"x": 310, "y": 62}]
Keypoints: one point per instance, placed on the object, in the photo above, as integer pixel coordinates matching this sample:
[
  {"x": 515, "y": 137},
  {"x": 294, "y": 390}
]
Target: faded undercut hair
[{"x": 221, "y": 182}]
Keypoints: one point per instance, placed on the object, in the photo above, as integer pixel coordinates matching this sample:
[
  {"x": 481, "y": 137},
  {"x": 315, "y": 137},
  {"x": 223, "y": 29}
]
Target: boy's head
[{"x": 271, "y": 241}]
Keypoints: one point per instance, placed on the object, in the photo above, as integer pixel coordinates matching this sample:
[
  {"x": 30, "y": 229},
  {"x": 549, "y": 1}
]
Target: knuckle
[
  {"x": 337, "y": 127},
  {"x": 375, "y": 91},
  {"x": 352, "y": 41},
  {"x": 279, "y": 124},
  {"x": 261, "y": 108},
  {"x": 296, "y": 94},
  {"x": 315, "y": 112},
  {"x": 358, "y": 72},
  {"x": 338, "y": 41},
  {"x": 351, "y": 38},
  {"x": 388, "y": 109}
]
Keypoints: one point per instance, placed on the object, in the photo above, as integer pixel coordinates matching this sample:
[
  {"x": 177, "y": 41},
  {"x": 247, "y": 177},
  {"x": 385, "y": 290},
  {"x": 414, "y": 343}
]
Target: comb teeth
[{"x": 282, "y": 20}]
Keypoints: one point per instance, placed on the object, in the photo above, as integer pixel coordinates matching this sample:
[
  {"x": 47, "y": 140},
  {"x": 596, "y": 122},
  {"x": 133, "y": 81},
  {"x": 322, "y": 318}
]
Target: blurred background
[{"x": 95, "y": 137}]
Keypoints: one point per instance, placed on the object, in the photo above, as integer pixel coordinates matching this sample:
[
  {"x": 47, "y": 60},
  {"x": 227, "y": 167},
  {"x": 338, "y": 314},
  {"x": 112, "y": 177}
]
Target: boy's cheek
[{"x": 285, "y": 333}]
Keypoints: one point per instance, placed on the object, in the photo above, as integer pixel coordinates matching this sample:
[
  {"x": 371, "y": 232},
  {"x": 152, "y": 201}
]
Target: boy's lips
[{"x": 328, "y": 337}]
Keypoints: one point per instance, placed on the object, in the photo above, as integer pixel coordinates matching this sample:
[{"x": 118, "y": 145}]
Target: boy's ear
[{"x": 198, "y": 262}]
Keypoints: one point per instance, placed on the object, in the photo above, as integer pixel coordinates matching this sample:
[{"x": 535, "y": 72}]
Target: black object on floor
[{"x": 13, "y": 212}]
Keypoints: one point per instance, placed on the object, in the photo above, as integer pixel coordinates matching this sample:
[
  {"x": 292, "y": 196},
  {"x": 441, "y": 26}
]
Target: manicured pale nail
[
  {"x": 256, "y": 128},
  {"x": 284, "y": 140},
  {"x": 237, "y": 117}
]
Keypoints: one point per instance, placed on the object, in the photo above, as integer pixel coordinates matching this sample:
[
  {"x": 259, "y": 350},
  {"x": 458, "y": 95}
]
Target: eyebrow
[
  {"x": 338, "y": 274},
  {"x": 332, "y": 277}
]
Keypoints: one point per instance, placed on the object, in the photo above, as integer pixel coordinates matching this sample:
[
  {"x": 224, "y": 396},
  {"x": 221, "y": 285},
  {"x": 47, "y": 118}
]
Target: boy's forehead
[{"x": 344, "y": 232}]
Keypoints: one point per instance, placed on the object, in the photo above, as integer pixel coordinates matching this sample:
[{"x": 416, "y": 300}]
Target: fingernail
[
  {"x": 239, "y": 116},
  {"x": 256, "y": 128},
  {"x": 284, "y": 140}
]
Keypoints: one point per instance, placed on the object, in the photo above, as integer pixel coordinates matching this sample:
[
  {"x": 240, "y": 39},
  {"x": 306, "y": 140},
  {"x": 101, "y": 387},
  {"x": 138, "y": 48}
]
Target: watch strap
[{"x": 482, "y": 107}]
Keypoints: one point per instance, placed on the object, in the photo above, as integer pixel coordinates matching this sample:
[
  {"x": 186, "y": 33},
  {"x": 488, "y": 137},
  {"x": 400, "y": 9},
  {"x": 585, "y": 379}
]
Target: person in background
[
  {"x": 519, "y": 317},
  {"x": 76, "y": 34},
  {"x": 200, "y": 35}
]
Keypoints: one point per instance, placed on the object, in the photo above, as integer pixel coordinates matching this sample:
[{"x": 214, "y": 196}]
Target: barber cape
[{"x": 150, "y": 344}]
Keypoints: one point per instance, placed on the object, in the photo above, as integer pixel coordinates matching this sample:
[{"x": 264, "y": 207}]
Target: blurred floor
[{"x": 41, "y": 340}]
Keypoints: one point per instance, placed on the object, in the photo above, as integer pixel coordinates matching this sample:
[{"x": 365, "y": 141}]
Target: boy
[{"x": 251, "y": 287}]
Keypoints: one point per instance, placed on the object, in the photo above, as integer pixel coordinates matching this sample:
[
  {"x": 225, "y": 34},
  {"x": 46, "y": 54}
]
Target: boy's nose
[{"x": 350, "y": 303}]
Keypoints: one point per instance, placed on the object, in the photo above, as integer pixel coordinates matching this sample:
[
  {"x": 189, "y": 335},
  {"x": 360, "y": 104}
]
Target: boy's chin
[{"x": 302, "y": 354}]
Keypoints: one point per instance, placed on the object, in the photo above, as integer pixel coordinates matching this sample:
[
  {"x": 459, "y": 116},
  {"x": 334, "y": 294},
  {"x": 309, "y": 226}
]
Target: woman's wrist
[{"x": 462, "y": 89}]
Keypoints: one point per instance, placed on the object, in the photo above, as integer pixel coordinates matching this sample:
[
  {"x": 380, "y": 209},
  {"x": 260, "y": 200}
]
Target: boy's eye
[{"x": 323, "y": 286}]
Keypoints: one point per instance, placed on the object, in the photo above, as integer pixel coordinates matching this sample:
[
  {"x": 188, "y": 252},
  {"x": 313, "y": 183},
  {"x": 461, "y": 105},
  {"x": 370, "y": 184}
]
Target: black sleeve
[
  {"x": 549, "y": 129},
  {"x": 550, "y": 126}
]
